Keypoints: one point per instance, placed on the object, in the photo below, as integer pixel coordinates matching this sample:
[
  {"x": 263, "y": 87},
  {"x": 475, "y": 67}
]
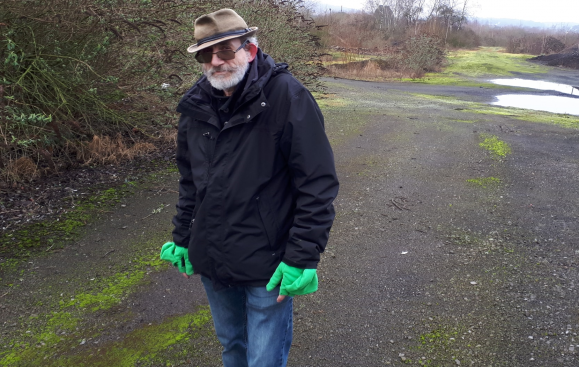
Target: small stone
[{"x": 458, "y": 362}]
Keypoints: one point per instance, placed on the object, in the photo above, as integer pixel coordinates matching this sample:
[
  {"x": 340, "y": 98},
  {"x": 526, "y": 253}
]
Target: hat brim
[{"x": 196, "y": 47}]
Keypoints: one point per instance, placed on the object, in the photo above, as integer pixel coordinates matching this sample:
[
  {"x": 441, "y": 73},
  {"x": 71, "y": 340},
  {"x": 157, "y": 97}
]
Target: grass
[
  {"x": 562, "y": 120},
  {"x": 326, "y": 101},
  {"x": 465, "y": 67}
]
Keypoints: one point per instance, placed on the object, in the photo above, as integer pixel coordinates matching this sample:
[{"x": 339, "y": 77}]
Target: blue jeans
[{"x": 254, "y": 329}]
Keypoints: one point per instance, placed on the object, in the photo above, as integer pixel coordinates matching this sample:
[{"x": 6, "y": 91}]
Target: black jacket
[{"x": 260, "y": 189}]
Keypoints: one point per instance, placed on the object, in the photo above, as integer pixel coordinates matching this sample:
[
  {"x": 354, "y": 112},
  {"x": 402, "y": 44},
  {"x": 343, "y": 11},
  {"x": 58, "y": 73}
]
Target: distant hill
[
  {"x": 325, "y": 8},
  {"x": 506, "y": 22},
  {"x": 321, "y": 8}
]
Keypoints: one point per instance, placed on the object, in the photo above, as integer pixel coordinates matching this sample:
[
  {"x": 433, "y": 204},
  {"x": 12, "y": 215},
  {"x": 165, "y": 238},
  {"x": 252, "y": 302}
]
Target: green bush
[{"x": 70, "y": 70}]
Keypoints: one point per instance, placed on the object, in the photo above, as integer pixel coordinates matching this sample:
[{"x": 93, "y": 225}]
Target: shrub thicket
[
  {"x": 422, "y": 53},
  {"x": 70, "y": 71},
  {"x": 527, "y": 40}
]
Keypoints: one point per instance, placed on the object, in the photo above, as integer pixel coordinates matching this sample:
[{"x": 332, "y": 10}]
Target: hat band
[{"x": 222, "y": 35}]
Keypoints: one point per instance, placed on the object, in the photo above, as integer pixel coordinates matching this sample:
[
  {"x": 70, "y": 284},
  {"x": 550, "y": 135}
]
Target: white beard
[{"x": 230, "y": 80}]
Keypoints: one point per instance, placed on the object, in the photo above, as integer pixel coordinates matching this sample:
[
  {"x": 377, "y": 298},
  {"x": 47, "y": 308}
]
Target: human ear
[{"x": 252, "y": 51}]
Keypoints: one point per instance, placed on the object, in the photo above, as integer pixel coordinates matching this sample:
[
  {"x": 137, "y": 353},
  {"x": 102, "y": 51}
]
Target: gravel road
[
  {"x": 442, "y": 253},
  {"x": 427, "y": 268}
]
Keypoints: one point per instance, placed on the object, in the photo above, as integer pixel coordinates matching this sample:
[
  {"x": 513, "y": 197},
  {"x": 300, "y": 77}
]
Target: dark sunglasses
[{"x": 207, "y": 56}]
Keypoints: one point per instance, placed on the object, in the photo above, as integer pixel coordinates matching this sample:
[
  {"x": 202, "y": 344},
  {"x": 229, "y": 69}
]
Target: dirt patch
[
  {"x": 568, "y": 58},
  {"x": 46, "y": 198}
]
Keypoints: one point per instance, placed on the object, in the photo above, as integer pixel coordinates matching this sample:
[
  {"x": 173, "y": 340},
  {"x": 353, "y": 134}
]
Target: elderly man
[{"x": 256, "y": 190}]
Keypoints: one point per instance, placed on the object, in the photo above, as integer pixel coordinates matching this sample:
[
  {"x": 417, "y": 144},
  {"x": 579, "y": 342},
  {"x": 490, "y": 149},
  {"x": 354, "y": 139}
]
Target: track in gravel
[{"x": 423, "y": 266}]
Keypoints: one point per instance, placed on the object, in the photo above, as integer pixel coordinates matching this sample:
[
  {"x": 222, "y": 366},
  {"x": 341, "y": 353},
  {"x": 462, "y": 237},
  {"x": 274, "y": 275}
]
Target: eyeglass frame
[{"x": 199, "y": 53}]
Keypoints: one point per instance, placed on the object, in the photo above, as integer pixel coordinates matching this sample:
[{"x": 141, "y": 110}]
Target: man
[{"x": 256, "y": 190}]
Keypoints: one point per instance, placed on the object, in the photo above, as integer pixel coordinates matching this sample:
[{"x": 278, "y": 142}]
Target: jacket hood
[{"x": 261, "y": 69}]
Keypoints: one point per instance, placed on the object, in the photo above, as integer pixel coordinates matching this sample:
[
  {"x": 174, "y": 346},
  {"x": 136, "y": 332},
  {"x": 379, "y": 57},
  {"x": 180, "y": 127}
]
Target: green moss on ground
[
  {"x": 56, "y": 232},
  {"x": 485, "y": 181},
  {"x": 438, "y": 344},
  {"x": 342, "y": 118},
  {"x": 140, "y": 345},
  {"x": 143, "y": 344},
  {"x": 495, "y": 146},
  {"x": 68, "y": 321}
]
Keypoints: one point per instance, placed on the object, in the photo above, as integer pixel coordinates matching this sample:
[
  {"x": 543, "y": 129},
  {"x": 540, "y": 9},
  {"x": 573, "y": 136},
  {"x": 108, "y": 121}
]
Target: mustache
[{"x": 216, "y": 69}]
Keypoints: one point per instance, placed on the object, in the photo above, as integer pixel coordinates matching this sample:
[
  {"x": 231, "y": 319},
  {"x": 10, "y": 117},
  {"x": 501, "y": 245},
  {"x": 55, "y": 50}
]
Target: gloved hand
[
  {"x": 178, "y": 256},
  {"x": 293, "y": 281}
]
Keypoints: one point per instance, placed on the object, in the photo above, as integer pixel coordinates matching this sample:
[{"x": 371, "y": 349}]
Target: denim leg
[
  {"x": 269, "y": 327},
  {"x": 229, "y": 318}
]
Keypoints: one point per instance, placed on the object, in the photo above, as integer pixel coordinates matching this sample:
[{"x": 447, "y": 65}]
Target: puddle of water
[
  {"x": 537, "y": 84},
  {"x": 555, "y": 104}
]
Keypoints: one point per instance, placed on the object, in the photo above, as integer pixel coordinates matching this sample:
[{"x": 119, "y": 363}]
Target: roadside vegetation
[
  {"x": 394, "y": 39},
  {"x": 90, "y": 83},
  {"x": 96, "y": 83}
]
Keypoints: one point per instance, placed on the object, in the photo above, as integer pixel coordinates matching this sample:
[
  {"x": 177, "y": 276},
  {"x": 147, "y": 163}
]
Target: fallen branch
[
  {"x": 108, "y": 252},
  {"x": 399, "y": 204}
]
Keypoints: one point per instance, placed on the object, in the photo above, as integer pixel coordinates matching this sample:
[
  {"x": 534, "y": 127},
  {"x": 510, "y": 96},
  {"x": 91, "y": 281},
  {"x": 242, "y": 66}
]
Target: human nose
[{"x": 215, "y": 60}]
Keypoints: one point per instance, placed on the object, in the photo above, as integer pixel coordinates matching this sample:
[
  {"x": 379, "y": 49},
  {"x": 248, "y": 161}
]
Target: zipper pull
[{"x": 191, "y": 223}]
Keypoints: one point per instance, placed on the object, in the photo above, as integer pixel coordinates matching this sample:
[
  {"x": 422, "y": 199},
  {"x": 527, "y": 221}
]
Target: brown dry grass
[
  {"x": 22, "y": 169},
  {"x": 100, "y": 150},
  {"x": 106, "y": 150},
  {"x": 364, "y": 71},
  {"x": 169, "y": 136}
]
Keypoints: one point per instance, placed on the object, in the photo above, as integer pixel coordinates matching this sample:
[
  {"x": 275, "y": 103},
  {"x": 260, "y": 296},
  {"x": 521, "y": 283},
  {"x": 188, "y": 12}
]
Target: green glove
[
  {"x": 293, "y": 281},
  {"x": 178, "y": 256}
]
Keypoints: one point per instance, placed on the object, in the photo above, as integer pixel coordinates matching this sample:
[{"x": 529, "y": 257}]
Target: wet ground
[{"x": 455, "y": 243}]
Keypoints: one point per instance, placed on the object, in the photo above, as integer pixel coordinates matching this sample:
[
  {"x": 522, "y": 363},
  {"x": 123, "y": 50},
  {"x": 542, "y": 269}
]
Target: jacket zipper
[{"x": 210, "y": 148}]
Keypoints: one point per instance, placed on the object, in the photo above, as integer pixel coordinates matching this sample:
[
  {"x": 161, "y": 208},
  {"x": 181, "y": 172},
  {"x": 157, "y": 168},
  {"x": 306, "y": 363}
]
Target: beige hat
[{"x": 217, "y": 27}]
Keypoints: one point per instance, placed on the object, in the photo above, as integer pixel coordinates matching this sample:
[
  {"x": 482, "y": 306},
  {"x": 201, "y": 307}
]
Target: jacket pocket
[{"x": 268, "y": 222}]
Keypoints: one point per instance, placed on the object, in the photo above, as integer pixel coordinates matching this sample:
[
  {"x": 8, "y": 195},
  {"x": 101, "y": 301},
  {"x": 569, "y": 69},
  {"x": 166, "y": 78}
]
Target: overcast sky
[{"x": 566, "y": 11}]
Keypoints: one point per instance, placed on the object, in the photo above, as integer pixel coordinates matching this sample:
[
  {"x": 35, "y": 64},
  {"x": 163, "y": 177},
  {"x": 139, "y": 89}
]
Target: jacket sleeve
[
  {"x": 311, "y": 163},
  {"x": 187, "y": 190}
]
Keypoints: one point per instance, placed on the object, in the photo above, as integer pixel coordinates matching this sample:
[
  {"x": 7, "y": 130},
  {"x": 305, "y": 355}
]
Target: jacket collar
[{"x": 198, "y": 99}]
